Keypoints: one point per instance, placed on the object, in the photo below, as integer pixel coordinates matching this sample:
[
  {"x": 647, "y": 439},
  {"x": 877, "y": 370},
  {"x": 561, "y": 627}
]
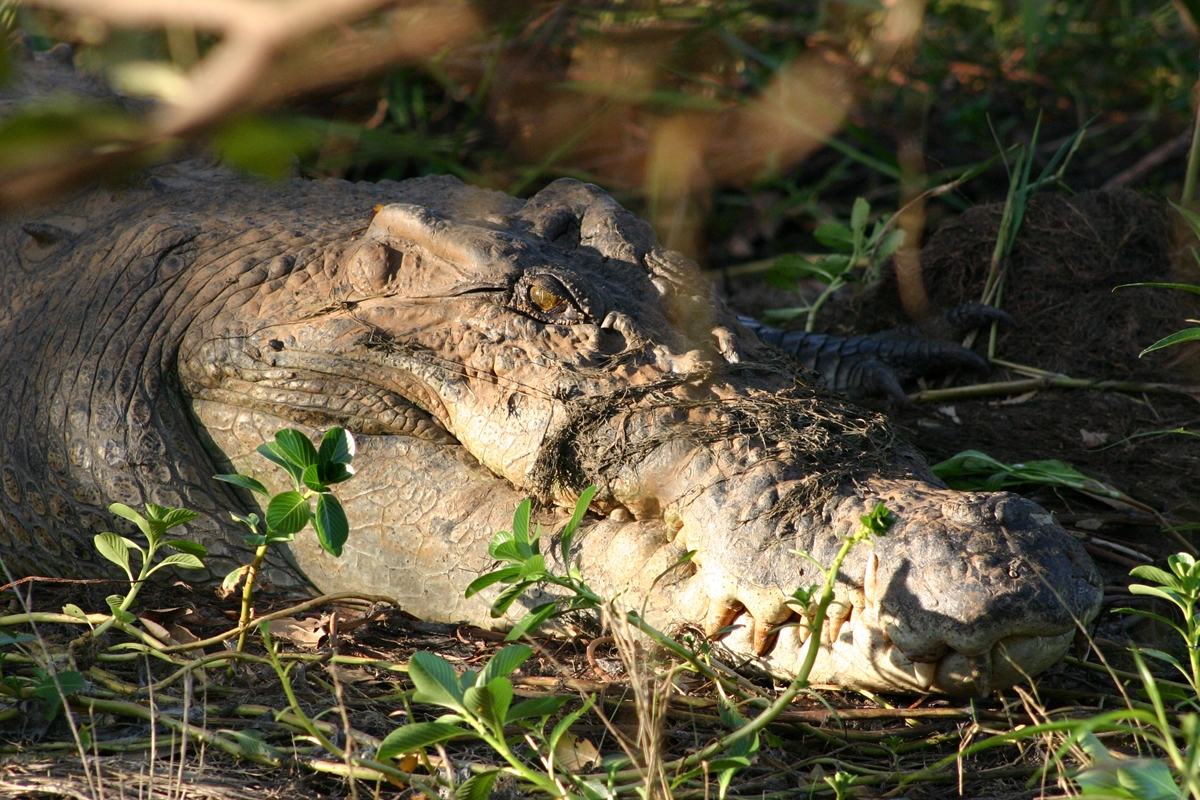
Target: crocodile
[{"x": 484, "y": 349}]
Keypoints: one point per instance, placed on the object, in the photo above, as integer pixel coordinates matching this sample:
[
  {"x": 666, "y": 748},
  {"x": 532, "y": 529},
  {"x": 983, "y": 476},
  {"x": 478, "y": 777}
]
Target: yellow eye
[{"x": 544, "y": 298}]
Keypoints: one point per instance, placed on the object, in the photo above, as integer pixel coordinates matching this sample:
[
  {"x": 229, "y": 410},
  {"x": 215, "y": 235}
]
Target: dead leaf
[
  {"x": 950, "y": 413},
  {"x": 300, "y": 632},
  {"x": 575, "y": 753},
  {"x": 1093, "y": 438},
  {"x": 157, "y": 631},
  {"x": 1016, "y": 401},
  {"x": 182, "y": 635},
  {"x": 348, "y": 675}
]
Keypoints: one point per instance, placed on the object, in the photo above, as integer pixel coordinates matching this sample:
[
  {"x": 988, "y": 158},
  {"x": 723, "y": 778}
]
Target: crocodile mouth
[{"x": 858, "y": 651}]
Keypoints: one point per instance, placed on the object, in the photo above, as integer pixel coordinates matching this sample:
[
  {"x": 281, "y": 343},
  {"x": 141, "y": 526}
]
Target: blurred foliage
[{"x": 738, "y": 128}]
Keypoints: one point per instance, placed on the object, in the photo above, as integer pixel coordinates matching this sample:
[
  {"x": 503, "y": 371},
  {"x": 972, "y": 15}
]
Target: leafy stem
[
  {"x": 118, "y": 549},
  {"x": 313, "y": 472}
]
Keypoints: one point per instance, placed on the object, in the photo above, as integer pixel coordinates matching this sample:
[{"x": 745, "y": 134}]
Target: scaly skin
[{"x": 155, "y": 336}]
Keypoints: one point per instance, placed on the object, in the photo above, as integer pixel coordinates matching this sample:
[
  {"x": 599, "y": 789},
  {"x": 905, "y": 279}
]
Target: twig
[
  {"x": 1155, "y": 158},
  {"x": 1048, "y": 382}
]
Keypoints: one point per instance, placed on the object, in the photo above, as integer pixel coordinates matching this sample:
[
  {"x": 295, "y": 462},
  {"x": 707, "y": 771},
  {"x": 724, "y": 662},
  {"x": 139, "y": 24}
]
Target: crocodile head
[{"x": 488, "y": 348}]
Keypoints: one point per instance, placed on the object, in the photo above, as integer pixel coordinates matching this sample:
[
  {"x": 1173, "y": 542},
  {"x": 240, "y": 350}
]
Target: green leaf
[
  {"x": 1152, "y": 573},
  {"x": 858, "y": 219},
  {"x": 69, "y": 682},
  {"x": 504, "y": 663},
  {"x": 122, "y": 510},
  {"x": 504, "y": 548},
  {"x": 1185, "y": 335},
  {"x": 114, "y": 604},
  {"x": 568, "y": 531},
  {"x": 529, "y": 623},
  {"x": 295, "y": 447},
  {"x": 890, "y": 244},
  {"x": 533, "y": 569},
  {"x": 337, "y": 447},
  {"x": 508, "y": 596},
  {"x": 252, "y": 745},
  {"x": 501, "y": 575},
  {"x": 414, "y": 737},
  {"x": 7, "y": 639},
  {"x": 332, "y": 526},
  {"x": 436, "y": 681},
  {"x": 501, "y": 694},
  {"x": 271, "y": 452},
  {"x": 490, "y": 702},
  {"x": 1154, "y": 591},
  {"x": 288, "y": 512},
  {"x": 250, "y": 521},
  {"x": 879, "y": 521},
  {"x": 230, "y": 582},
  {"x": 266, "y": 145},
  {"x": 116, "y": 549},
  {"x": 476, "y": 787},
  {"x": 174, "y": 517},
  {"x": 318, "y": 477},
  {"x": 58, "y": 131},
  {"x": 537, "y": 707},
  {"x": 1187, "y": 287},
  {"x": 521, "y": 529},
  {"x": 244, "y": 481},
  {"x": 180, "y": 560},
  {"x": 186, "y": 546},
  {"x": 835, "y": 236}
]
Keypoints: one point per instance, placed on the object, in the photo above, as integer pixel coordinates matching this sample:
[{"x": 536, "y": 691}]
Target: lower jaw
[{"x": 864, "y": 658}]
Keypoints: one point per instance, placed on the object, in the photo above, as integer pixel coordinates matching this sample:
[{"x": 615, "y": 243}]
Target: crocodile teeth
[
  {"x": 872, "y": 591},
  {"x": 925, "y": 672},
  {"x": 764, "y": 637},
  {"x": 720, "y": 615}
]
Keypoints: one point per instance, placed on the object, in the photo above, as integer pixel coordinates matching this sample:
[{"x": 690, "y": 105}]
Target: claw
[{"x": 720, "y": 615}]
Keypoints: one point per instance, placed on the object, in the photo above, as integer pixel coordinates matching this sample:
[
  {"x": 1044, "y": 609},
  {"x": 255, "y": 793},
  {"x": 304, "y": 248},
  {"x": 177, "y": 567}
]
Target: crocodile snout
[{"x": 967, "y": 593}]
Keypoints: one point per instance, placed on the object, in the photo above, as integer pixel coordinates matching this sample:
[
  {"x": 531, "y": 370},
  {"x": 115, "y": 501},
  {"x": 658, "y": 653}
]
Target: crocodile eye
[{"x": 543, "y": 298}]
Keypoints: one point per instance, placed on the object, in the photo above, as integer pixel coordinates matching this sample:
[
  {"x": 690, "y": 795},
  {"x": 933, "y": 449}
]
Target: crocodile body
[{"x": 484, "y": 349}]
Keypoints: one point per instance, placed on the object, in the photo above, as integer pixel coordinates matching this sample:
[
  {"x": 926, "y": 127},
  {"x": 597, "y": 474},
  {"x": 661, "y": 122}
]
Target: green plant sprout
[
  {"x": 1181, "y": 588},
  {"x": 853, "y": 246},
  {"x": 313, "y": 472},
  {"x": 482, "y": 702},
  {"x": 117, "y": 549},
  {"x": 527, "y": 568}
]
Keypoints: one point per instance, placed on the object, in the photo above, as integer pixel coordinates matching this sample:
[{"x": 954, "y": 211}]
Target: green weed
[
  {"x": 858, "y": 254},
  {"x": 313, "y": 472},
  {"x": 118, "y": 549}
]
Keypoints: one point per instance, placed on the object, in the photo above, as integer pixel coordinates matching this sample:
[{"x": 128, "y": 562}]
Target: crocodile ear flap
[{"x": 574, "y": 215}]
